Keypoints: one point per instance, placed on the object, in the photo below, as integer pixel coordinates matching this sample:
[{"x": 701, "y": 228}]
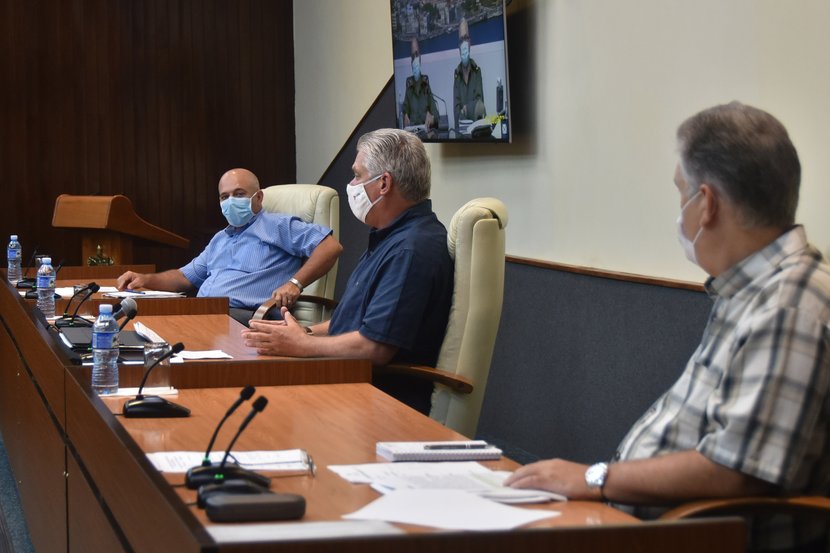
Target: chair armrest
[
  {"x": 458, "y": 383},
  {"x": 813, "y": 505},
  {"x": 271, "y": 303}
]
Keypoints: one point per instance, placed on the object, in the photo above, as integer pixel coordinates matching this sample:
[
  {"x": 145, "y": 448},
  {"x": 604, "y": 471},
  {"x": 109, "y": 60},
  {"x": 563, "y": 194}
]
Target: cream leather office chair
[
  {"x": 318, "y": 204},
  {"x": 475, "y": 240}
]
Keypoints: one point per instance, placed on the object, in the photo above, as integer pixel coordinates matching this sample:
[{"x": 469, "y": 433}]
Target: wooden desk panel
[{"x": 336, "y": 424}]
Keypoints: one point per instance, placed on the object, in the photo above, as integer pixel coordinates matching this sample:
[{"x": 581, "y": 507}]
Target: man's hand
[
  {"x": 429, "y": 120},
  {"x": 131, "y": 280},
  {"x": 286, "y": 295},
  {"x": 284, "y": 337},
  {"x": 556, "y": 475}
]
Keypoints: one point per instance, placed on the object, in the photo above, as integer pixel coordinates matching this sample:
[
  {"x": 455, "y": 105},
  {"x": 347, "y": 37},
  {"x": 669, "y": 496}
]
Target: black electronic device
[
  {"x": 232, "y": 486},
  {"x": 221, "y": 472},
  {"x": 207, "y": 468},
  {"x": 74, "y": 319},
  {"x": 155, "y": 407},
  {"x": 258, "y": 507}
]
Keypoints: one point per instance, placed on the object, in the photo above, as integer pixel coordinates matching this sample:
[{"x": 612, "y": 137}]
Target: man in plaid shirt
[{"x": 750, "y": 413}]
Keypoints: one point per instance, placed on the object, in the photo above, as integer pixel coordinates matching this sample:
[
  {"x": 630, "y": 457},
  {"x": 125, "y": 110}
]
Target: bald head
[
  {"x": 463, "y": 30},
  {"x": 241, "y": 183},
  {"x": 239, "y": 178},
  {"x": 414, "y": 50}
]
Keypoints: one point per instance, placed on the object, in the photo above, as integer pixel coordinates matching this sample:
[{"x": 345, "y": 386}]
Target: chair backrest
[
  {"x": 475, "y": 240},
  {"x": 312, "y": 203}
]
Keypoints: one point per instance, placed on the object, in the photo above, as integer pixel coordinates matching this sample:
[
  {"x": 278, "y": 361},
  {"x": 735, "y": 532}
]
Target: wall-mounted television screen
[{"x": 451, "y": 79}]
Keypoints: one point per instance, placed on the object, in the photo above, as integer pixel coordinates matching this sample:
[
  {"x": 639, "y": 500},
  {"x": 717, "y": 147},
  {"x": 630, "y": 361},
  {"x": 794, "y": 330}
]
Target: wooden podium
[{"x": 112, "y": 223}]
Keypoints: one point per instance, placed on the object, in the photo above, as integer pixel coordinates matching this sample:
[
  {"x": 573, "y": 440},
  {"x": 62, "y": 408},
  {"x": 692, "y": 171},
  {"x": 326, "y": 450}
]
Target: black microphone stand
[
  {"x": 203, "y": 474},
  {"x": 70, "y": 320},
  {"x": 234, "y": 479},
  {"x": 155, "y": 407},
  {"x": 216, "y": 474}
]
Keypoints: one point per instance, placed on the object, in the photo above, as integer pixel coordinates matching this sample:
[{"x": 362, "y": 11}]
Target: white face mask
[
  {"x": 359, "y": 200},
  {"x": 688, "y": 245}
]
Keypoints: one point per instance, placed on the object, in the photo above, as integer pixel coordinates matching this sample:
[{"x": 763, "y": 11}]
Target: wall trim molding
[{"x": 614, "y": 275}]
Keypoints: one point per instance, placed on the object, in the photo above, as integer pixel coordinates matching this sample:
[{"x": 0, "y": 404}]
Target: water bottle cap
[
  {"x": 47, "y": 261},
  {"x": 105, "y": 308},
  {"x": 13, "y": 238}
]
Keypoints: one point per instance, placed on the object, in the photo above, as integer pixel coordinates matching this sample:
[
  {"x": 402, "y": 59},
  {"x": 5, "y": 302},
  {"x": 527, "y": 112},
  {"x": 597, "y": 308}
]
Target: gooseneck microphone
[
  {"x": 216, "y": 474},
  {"x": 155, "y": 407},
  {"x": 27, "y": 281},
  {"x": 208, "y": 468},
  {"x": 72, "y": 320},
  {"x": 127, "y": 309}
]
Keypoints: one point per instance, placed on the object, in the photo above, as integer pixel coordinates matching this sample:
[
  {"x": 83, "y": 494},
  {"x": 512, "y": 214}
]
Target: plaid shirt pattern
[{"x": 755, "y": 396}]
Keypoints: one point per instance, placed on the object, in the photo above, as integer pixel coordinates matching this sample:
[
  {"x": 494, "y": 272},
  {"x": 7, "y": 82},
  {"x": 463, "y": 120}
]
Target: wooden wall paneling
[{"x": 153, "y": 99}]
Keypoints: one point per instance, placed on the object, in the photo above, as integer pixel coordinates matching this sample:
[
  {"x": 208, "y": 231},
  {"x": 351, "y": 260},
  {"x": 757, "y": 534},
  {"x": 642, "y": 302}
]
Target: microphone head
[
  {"x": 177, "y": 347},
  {"x": 260, "y": 403},
  {"x": 247, "y": 392},
  {"x": 93, "y": 288}
]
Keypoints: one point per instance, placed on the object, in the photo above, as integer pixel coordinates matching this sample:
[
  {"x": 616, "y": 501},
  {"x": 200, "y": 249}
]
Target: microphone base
[
  {"x": 153, "y": 407},
  {"x": 229, "y": 487},
  {"x": 214, "y": 474},
  {"x": 73, "y": 320}
]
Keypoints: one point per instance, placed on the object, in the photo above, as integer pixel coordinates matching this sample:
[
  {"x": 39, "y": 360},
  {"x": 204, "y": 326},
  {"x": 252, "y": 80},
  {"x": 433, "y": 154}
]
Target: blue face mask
[
  {"x": 416, "y": 68},
  {"x": 237, "y": 211},
  {"x": 465, "y": 52}
]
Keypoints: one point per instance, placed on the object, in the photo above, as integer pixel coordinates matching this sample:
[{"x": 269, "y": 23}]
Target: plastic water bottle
[
  {"x": 14, "y": 255},
  {"x": 46, "y": 288},
  {"x": 499, "y": 96},
  {"x": 105, "y": 352}
]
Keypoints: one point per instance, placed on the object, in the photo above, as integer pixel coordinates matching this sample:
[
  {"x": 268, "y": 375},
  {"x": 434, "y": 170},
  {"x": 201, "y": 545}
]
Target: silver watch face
[{"x": 595, "y": 475}]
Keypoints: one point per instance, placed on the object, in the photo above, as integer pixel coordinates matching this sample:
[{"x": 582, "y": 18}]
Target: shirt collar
[
  {"x": 760, "y": 263},
  {"x": 421, "y": 209}
]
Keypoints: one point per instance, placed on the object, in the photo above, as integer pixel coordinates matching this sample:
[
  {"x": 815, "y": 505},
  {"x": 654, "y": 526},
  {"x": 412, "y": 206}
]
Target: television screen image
[{"x": 450, "y": 67}]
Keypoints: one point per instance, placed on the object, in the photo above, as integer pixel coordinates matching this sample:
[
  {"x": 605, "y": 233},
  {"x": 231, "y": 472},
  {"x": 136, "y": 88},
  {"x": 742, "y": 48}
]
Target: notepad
[{"x": 470, "y": 450}]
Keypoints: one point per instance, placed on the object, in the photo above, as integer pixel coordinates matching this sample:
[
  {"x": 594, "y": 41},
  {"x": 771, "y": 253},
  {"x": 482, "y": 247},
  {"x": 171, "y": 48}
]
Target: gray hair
[
  {"x": 401, "y": 154},
  {"x": 747, "y": 155}
]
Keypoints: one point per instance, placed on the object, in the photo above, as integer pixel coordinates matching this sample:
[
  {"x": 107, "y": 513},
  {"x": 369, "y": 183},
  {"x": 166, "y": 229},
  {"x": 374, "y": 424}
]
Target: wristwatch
[
  {"x": 296, "y": 283},
  {"x": 595, "y": 477}
]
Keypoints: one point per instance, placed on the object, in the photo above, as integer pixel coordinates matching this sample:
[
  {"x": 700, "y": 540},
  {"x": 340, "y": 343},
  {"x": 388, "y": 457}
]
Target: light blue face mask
[
  {"x": 465, "y": 53},
  {"x": 416, "y": 69},
  {"x": 237, "y": 210}
]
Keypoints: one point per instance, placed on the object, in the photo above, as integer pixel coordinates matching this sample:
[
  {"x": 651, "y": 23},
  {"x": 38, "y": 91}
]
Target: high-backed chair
[
  {"x": 475, "y": 240},
  {"x": 318, "y": 204}
]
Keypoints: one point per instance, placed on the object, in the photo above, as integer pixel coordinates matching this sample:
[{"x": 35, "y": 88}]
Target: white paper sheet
[
  {"x": 448, "y": 509},
  {"x": 281, "y": 460},
  {"x": 466, "y": 475}
]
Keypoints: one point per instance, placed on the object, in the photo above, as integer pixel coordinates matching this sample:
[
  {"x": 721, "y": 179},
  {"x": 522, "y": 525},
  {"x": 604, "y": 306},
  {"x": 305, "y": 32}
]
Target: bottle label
[
  {"x": 12, "y": 254},
  {"x": 44, "y": 281},
  {"x": 103, "y": 340}
]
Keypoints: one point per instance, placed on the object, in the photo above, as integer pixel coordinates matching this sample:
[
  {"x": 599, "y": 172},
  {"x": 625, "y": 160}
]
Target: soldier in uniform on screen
[
  {"x": 419, "y": 107},
  {"x": 468, "y": 91}
]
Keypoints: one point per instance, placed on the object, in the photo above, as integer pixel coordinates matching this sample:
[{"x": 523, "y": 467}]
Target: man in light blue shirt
[{"x": 258, "y": 256}]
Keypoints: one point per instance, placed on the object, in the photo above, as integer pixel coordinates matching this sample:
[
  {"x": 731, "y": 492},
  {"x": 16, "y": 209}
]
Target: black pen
[{"x": 457, "y": 446}]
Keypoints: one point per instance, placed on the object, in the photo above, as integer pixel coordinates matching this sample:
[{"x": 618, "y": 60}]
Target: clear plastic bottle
[
  {"x": 105, "y": 352},
  {"x": 46, "y": 288},
  {"x": 14, "y": 255}
]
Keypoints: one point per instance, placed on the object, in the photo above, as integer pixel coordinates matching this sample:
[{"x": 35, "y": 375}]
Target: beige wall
[{"x": 592, "y": 183}]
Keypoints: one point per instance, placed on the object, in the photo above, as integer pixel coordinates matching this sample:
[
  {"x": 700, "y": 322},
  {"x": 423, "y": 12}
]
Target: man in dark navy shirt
[{"x": 397, "y": 301}]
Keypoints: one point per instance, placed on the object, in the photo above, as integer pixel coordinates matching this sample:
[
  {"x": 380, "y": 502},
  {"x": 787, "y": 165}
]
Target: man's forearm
[
  {"x": 172, "y": 281},
  {"x": 677, "y": 477},
  {"x": 320, "y": 261}
]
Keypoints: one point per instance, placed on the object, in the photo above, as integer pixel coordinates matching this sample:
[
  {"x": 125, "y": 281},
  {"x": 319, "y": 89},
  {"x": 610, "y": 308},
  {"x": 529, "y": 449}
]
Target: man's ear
[
  {"x": 711, "y": 204},
  {"x": 385, "y": 183}
]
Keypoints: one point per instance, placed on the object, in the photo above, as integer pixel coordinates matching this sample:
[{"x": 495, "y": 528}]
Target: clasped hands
[{"x": 285, "y": 337}]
